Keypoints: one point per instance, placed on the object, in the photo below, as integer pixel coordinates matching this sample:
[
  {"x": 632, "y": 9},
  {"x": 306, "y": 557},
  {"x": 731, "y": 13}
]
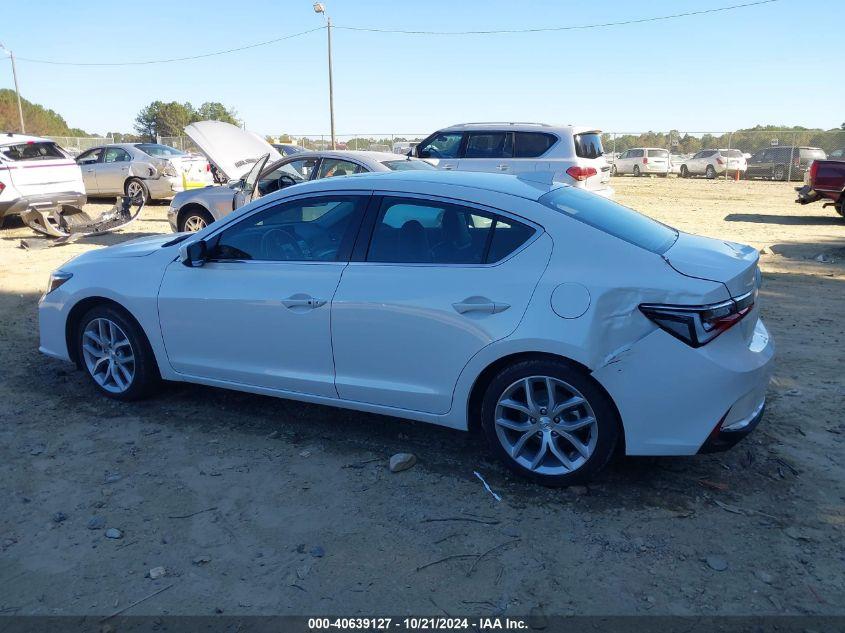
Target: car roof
[
  {"x": 531, "y": 186},
  {"x": 12, "y": 138},
  {"x": 519, "y": 127}
]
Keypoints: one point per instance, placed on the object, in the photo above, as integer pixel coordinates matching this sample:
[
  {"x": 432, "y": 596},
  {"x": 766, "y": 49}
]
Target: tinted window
[
  {"x": 32, "y": 151},
  {"x": 588, "y": 145},
  {"x": 507, "y": 237},
  {"x": 489, "y": 145},
  {"x": 612, "y": 218},
  {"x": 314, "y": 229},
  {"x": 532, "y": 144},
  {"x": 162, "y": 151},
  {"x": 116, "y": 155},
  {"x": 330, "y": 167},
  {"x": 443, "y": 145},
  {"x": 636, "y": 153},
  {"x": 407, "y": 165},
  {"x": 657, "y": 153}
]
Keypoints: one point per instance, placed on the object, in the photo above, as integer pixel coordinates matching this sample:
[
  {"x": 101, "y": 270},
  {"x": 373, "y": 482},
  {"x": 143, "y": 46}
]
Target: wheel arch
[
  {"x": 78, "y": 311},
  {"x": 483, "y": 379},
  {"x": 192, "y": 206}
]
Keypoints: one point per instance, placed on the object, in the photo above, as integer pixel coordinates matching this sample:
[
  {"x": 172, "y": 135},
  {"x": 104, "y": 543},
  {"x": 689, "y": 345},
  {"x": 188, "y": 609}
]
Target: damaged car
[
  {"x": 253, "y": 168},
  {"x": 561, "y": 325},
  {"x": 143, "y": 171}
]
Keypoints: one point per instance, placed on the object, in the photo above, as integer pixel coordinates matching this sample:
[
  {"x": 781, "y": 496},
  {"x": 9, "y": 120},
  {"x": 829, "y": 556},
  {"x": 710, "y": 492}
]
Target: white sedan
[{"x": 560, "y": 323}]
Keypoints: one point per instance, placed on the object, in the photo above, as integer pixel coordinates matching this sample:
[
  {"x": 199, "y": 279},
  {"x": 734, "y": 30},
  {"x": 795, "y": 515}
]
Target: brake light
[
  {"x": 720, "y": 161},
  {"x": 208, "y": 167},
  {"x": 814, "y": 168},
  {"x": 581, "y": 173},
  {"x": 645, "y": 161},
  {"x": 698, "y": 325},
  {"x": 2, "y": 187}
]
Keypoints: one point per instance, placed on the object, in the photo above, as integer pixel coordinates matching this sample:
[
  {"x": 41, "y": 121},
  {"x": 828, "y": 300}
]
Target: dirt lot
[{"x": 257, "y": 505}]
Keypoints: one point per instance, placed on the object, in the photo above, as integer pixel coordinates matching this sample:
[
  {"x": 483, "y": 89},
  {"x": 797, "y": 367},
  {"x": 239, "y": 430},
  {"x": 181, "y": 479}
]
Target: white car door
[
  {"x": 257, "y": 312},
  {"x": 409, "y": 316},
  {"x": 624, "y": 163},
  {"x": 441, "y": 149}
]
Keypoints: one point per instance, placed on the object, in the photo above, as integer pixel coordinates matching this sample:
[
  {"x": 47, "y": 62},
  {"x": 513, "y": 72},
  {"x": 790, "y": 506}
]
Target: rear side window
[
  {"x": 588, "y": 145},
  {"x": 40, "y": 150},
  {"x": 636, "y": 153},
  {"x": 532, "y": 144},
  {"x": 160, "y": 151},
  {"x": 658, "y": 153},
  {"x": 813, "y": 153},
  {"x": 611, "y": 218},
  {"x": 489, "y": 145}
]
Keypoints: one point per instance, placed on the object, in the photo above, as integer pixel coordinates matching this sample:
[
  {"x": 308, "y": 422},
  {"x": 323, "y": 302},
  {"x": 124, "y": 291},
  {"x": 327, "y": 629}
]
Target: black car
[{"x": 780, "y": 163}]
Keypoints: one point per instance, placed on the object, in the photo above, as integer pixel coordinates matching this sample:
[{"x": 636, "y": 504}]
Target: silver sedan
[{"x": 196, "y": 209}]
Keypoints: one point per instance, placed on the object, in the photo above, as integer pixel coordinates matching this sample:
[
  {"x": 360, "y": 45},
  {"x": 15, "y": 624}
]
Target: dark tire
[
  {"x": 135, "y": 188},
  {"x": 779, "y": 173},
  {"x": 569, "y": 383},
  {"x": 144, "y": 371},
  {"x": 636, "y": 171},
  {"x": 193, "y": 220},
  {"x": 613, "y": 171},
  {"x": 710, "y": 172},
  {"x": 684, "y": 171}
]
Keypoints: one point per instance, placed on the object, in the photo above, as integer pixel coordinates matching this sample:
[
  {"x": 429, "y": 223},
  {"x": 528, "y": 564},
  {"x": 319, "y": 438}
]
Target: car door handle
[
  {"x": 479, "y": 304},
  {"x": 448, "y": 167},
  {"x": 502, "y": 167},
  {"x": 303, "y": 301},
  {"x": 89, "y": 171}
]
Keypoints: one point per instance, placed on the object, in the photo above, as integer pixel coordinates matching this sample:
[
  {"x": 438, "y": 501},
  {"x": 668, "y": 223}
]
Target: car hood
[
  {"x": 140, "y": 247},
  {"x": 231, "y": 149},
  {"x": 734, "y": 265}
]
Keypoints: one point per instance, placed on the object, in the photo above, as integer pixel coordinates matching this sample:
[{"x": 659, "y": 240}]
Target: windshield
[
  {"x": 588, "y": 145},
  {"x": 407, "y": 165},
  {"x": 161, "y": 151},
  {"x": 612, "y": 218},
  {"x": 732, "y": 153}
]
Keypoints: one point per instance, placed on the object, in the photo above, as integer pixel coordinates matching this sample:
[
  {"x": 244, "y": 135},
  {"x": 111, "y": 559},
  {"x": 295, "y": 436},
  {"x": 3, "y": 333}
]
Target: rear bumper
[
  {"x": 726, "y": 437},
  {"x": 18, "y": 205}
]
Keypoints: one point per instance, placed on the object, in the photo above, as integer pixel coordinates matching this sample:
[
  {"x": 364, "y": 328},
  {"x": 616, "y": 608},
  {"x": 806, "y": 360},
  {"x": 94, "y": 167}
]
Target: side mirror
[{"x": 193, "y": 254}]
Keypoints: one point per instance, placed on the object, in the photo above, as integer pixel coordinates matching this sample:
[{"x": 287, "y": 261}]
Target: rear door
[
  {"x": 756, "y": 165},
  {"x": 488, "y": 151},
  {"x": 436, "y": 283},
  {"x": 658, "y": 159},
  {"x": 40, "y": 167}
]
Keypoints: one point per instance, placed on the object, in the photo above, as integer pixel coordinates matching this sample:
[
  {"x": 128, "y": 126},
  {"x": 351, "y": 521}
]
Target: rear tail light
[
  {"x": 720, "y": 161},
  {"x": 645, "y": 161},
  {"x": 814, "y": 169},
  {"x": 698, "y": 325},
  {"x": 581, "y": 173},
  {"x": 208, "y": 167},
  {"x": 2, "y": 187}
]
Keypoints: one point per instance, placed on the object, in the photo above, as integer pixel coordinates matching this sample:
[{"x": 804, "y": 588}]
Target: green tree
[
  {"x": 163, "y": 119},
  {"x": 37, "y": 119},
  {"x": 214, "y": 111}
]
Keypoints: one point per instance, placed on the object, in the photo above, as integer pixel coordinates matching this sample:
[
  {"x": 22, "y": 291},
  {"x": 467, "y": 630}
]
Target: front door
[
  {"x": 113, "y": 171},
  {"x": 87, "y": 162},
  {"x": 442, "y": 150},
  {"x": 440, "y": 282},
  {"x": 258, "y": 312}
]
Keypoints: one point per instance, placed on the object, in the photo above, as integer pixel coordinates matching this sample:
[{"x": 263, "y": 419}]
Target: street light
[
  {"x": 319, "y": 7},
  {"x": 17, "y": 90}
]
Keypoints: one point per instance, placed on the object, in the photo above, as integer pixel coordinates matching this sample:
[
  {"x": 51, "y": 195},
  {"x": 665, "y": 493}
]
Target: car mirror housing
[{"x": 193, "y": 254}]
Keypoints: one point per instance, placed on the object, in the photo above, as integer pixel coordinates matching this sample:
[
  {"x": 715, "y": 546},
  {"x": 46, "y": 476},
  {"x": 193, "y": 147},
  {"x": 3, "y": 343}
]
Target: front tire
[
  {"x": 710, "y": 172},
  {"x": 779, "y": 172},
  {"x": 613, "y": 171},
  {"x": 194, "y": 220},
  {"x": 636, "y": 171},
  {"x": 115, "y": 353},
  {"x": 684, "y": 171},
  {"x": 549, "y": 422},
  {"x": 136, "y": 190}
]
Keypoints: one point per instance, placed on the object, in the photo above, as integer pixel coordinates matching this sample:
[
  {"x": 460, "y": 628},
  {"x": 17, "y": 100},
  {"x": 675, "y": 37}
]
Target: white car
[
  {"x": 572, "y": 155},
  {"x": 712, "y": 162},
  {"x": 36, "y": 172},
  {"x": 640, "y": 161},
  {"x": 559, "y": 322}
]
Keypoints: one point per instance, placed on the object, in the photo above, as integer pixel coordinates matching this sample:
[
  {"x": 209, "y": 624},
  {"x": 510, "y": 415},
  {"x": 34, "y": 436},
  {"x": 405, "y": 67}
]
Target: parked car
[
  {"x": 143, "y": 171},
  {"x": 467, "y": 300},
  {"x": 780, "y": 163},
  {"x": 824, "y": 180},
  {"x": 837, "y": 154},
  {"x": 640, "y": 161},
  {"x": 675, "y": 162},
  {"x": 36, "y": 172},
  {"x": 249, "y": 179},
  {"x": 712, "y": 162},
  {"x": 404, "y": 147},
  {"x": 574, "y": 155},
  {"x": 287, "y": 149}
]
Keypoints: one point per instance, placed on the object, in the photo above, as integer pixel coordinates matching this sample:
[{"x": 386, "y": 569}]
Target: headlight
[{"x": 57, "y": 278}]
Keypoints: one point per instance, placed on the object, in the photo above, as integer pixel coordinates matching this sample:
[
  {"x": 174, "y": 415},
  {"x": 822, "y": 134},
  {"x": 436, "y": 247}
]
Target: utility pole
[
  {"x": 319, "y": 7},
  {"x": 17, "y": 89}
]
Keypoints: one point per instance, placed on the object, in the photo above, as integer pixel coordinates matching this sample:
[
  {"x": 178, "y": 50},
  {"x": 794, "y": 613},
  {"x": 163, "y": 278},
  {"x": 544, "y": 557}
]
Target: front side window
[
  {"x": 116, "y": 155},
  {"x": 443, "y": 145},
  {"x": 532, "y": 144},
  {"x": 38, "y": 150},
  {"x": 331, "y": 167},
  {"x": 313, "y": 229},
  {"x": 489, "y": 145},
  {"x": 90, "y": 157},
  {"x": 588, "y": 145},
  {"x": 412, "y": 231}
]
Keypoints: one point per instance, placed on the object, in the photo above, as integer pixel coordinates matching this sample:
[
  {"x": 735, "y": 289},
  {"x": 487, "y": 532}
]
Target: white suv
[
  {"x": 570, "y": 154},
  {"x": 642, "y": 160},
  {"x": 36, "y": 172},
  {"x": 712, "y": 162}
]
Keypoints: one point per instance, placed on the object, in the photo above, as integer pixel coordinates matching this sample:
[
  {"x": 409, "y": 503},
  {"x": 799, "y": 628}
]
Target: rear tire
[
  {"x": 115, "y": 353},
  {"x": 636, "y": 171},
  {"x": 710, "y": 172},
  {"x": 684, "y": 172},
  {"x": 136, "y": 190},
  {"x": 194, "y": 220},
  {"x": 557, "y": 441},
  {"x": 779, "y": 172},
  {"x": 613, "y": 171}
]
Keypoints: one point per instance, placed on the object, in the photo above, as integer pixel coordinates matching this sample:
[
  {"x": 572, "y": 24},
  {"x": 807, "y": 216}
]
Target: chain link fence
[{"x": 78, "y": 144}]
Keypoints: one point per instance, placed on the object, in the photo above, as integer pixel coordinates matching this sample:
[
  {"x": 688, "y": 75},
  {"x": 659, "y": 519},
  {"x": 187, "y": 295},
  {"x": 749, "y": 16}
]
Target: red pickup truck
[{"x": 825, "y": 179}]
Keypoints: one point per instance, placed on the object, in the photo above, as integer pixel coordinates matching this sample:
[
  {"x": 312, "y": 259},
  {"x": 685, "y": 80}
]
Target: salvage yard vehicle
[
  {"x": 236, "y": 150},
  {"x": 641, "y": 161},
  {"x": 713, "y": 162},
  {"x": 36, "y": 173},
  {"x": 560, "y": 323},
  {"x": 573, "y": 154},
  {"x": 782, "y": 163},
  {"x": 146, "y": 171},
  {"x": 824, "y": 180}
]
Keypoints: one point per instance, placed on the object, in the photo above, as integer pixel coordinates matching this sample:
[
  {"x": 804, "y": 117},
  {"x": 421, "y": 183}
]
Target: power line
[
  {"x": 561, "y": 28},
  {"x": 174, "y": 59}
]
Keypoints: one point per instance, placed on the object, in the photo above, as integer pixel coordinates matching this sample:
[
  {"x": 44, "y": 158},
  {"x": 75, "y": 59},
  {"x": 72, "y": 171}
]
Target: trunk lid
[
  {"x": 232, "y": 150},
  {"x": 734, "y": 265}
]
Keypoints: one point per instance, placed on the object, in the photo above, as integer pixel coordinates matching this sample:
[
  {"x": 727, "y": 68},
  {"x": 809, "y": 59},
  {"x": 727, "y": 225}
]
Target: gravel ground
[{"x": 257, "y": 505}]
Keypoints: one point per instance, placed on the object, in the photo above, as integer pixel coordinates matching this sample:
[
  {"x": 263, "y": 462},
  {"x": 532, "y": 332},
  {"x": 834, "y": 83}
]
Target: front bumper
[{"x": 47, "y": 200}]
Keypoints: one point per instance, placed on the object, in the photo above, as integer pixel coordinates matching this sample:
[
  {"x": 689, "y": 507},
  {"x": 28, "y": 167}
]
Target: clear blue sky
[{"x": 701, "y": 73}]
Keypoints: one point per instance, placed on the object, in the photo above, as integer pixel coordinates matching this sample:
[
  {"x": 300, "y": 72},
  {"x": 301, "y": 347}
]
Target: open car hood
[{"x": 231, "y": 149}]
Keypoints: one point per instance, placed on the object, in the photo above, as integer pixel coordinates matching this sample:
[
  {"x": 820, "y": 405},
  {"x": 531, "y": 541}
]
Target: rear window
[
  {"x": 813, "y": 153},
  {"x": 37, "y": 150},
  {"x": 612, "y": 218},
  {"x": 161, "y": 151},
  {"x": 407, "y": 165},
  {"x": 588, "y": 145},
  {"x": 658, "y": 153},
  {"x": 732, "y": 153}
]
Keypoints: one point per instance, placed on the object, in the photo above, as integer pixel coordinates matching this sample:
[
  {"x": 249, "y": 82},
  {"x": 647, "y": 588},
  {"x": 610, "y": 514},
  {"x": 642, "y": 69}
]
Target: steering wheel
[
  {"x": 276, "y": 241},
  {"x": 285, "y": 180}
]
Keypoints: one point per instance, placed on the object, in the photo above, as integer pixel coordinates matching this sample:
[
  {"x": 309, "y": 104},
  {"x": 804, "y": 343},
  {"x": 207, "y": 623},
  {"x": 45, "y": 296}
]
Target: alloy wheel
[
  {"x": 108, "y": 355},
  {"x": 194, "y": 223},
  {"x": 135, "y": 191},
  {"x": 546, "y": 425}
]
